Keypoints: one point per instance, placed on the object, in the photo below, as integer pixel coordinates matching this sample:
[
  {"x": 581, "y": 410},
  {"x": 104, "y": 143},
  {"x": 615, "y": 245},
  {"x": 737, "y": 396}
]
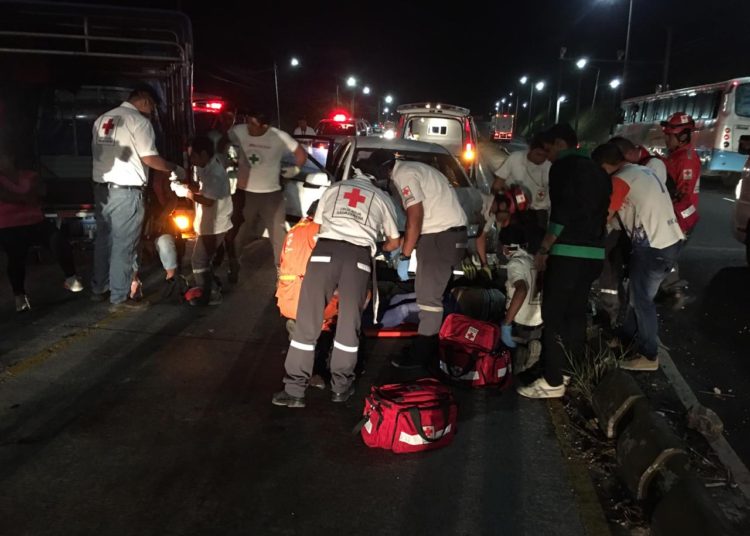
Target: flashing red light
[
  {"x": 339, "y": 118},
  {"x": 214, "y": 106}
]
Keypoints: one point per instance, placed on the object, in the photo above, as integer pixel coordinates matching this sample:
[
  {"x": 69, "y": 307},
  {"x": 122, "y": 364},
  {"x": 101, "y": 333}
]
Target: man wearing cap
[
  {"x": 571, "y": 255},
  {"x": 123, "y": 147},
  {"x": 436, "y": 228},
  {"x": 259, "y": 174},
  {"x": 352, "y": 215}
]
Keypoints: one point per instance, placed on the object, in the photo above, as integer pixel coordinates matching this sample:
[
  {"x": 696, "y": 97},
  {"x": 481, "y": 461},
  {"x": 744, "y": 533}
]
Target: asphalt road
[
  {"x": 709, "y": 340},
  {"x": 161, "y": 423}
]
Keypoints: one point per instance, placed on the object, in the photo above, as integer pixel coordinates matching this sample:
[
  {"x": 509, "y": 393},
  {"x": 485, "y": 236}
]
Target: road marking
[
  {"x": 26, "y": 364},
  {"x": 729, "y": 199},
  {"x": 721, "y": 446}
]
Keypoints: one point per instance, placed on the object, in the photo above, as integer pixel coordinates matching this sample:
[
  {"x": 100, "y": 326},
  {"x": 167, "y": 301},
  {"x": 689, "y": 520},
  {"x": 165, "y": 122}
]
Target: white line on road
[
  {"x": 729, "y": 199},
  {"x": 721, "y": 446}
]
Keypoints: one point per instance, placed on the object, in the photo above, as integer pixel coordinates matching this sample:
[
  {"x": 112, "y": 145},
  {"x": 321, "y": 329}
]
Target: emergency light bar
[{"x": 212, "y": 106}]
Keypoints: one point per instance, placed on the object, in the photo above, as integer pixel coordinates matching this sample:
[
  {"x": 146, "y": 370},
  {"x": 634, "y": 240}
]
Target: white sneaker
[
  {"x": 541, "y": 389},
  {"x": 73, "y": 284},
  {"x": 22, "y": 303},
  {"x": 566, "y": 380}
]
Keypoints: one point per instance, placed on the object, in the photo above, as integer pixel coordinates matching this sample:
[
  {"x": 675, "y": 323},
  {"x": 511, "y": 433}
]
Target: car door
[{"x": 306, "y": 186}]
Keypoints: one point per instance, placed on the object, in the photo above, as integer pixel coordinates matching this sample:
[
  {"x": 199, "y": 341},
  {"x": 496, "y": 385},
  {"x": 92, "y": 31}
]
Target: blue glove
[
  {"x": 403, "y": 269},
  {"x": 506, "y": 331}
]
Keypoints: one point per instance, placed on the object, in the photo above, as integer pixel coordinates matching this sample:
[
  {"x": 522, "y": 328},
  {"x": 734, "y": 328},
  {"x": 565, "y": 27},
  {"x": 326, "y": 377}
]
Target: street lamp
[
  {"x": 388, "y": 99},
  {"x": 523, "y": 80},
  {"x": 366, "y": 90},
  {"x": 581, "y": 65},
  {"x": 539, "y": 86},
  {"x": 524, "y": 105},
  {"x": 294, "y": 62},
  {"x": 560, "y": 100},
  {"x": 615, "y": 83}
]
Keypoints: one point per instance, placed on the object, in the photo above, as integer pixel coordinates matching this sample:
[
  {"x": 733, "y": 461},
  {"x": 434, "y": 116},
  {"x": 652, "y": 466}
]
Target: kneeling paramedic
[
  {"x": 436, "y": 226},
  {"x": 351, "y": 214}
]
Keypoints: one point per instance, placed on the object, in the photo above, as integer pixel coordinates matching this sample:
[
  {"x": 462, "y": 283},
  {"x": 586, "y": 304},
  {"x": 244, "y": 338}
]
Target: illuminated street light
[
  {"x": 539, "y": 86},
  {"x": 294, "y": 62},
  {"x": 366, "y": 90},
  {"x": 386, "y": 110},
  {"x": 351, "y": 82},
  {"x": 614, "y": 84},
  {"x": 388, "y": 99},
  {"x": 560, "y": 100},
  {"x": 524, "y": 105},
  {"x": 582, "y": 63},
  {"x": 497, "y": 103},
  {"x": 523, "y": 80}
]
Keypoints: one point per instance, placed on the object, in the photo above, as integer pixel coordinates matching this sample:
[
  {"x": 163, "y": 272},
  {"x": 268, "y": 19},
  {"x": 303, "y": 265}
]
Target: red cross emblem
[
  {"x": 406, "y": 191},
  {"x": 355, "y": 197},
  {"x": 107, "y": 126}
]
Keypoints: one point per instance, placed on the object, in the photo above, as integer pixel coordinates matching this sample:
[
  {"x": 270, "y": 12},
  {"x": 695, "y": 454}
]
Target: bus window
[
  {"x": 690, "y": 104},
  {"x": 742, "y": 100},
  {"x": 658, "y": 110},
  {"x": 646, "y": 111}
]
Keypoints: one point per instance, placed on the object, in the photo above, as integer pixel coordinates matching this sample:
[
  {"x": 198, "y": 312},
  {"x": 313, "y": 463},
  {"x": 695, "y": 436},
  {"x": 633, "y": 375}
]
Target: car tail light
[{"x": 469, "y": 152}]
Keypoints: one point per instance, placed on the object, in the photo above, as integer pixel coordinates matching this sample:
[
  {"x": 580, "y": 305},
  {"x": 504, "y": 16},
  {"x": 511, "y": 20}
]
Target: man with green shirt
[{"x": 571, "y": 255}]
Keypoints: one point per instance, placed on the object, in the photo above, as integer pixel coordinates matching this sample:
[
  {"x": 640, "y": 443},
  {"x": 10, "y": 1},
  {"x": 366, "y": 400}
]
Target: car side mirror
[{"x": 317, "y": 179}]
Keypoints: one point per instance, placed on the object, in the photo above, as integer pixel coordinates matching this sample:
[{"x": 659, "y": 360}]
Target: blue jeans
[
  {"x": 648, "y": 268},
  {"x": 119, "y": 223}
]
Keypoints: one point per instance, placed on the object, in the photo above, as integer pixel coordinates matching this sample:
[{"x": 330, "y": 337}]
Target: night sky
[{"x": 470, "y": 54}]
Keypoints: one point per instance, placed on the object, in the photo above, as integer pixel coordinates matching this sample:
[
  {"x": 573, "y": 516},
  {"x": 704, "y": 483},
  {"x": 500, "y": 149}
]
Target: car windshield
[
  {"x": 445, "y": 163},
  {"x": 334, "y": 128},
  {"x": 742, "y": 100}
]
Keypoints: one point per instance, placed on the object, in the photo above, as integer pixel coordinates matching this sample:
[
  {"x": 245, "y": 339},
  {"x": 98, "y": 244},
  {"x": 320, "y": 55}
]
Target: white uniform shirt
[
  {"x": 421, "y": 183},
  {"x": 647, "y": 211},
  {"x": 659, "y": 167},
  {"x": 121, "y": 137},
  {"x": 518, "y": 169},
  {"x": 214, "y": 184},
  {"x": 521, "y": 268},
  {"x": 309, "y": 131},
  {"x": 358, "y": 212},
  {"x": 260, "y": 161},
  {"x": 489, "y": 217}
]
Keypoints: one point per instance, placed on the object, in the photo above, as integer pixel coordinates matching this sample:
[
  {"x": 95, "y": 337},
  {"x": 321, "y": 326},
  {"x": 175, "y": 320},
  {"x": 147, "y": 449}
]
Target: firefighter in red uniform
[{"x": 684, "y": 170}]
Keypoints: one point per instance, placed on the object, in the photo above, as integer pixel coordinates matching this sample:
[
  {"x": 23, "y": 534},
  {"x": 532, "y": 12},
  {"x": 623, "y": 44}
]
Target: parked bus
[
  {"x": 722, "y": 119},
  {"x": 65, "y": 64}
]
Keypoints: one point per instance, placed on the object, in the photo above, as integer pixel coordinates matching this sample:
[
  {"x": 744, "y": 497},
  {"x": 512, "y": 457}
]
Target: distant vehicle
[
  {"x": 64, "y": 65},
  {"x": 741, "y": 216},
  {"x": 211, "y": 113},
  {"x": 501, "y": 127},
  {"x": 341, "y": 124},
  {"x": 722, "y": 116},
  {"x": 444, "y": 124}
]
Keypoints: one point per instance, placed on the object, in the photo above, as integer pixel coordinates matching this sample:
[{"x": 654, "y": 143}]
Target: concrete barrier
[{"x": 613, "y": 399}]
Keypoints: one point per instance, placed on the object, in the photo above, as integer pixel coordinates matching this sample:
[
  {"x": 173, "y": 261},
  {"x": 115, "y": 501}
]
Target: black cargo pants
[{"x": 334, "y": 264}]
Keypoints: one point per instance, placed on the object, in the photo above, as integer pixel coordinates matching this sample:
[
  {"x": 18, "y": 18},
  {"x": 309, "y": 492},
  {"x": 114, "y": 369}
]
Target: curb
[{"x": 653, "y": 463}]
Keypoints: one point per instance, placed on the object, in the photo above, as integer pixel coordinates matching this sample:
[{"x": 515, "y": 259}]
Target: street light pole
[
  {"x": 276, "y": 85},
  {"x": 596, "y": 87},
  {"x": 627, "y": 51}
]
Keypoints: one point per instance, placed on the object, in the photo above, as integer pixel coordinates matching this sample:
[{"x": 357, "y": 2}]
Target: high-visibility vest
[{"x": 298, "y": 245}]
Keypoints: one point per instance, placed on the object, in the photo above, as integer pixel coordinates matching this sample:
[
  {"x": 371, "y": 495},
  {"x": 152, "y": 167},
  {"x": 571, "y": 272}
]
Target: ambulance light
[{"x": 339, "y": 118}]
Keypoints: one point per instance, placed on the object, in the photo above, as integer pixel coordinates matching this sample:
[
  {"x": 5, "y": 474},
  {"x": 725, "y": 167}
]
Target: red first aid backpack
[
  {"x": 470, "y": 353},
  {"x": 409, "y": 417}
]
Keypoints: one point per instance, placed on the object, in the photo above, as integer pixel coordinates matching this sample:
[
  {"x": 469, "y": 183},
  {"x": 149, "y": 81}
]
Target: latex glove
[
  {"x": 290, "y": 172},
  {"x": 403, "y": 270},
  {"x": 392, "y": 257},
  {"x": 178, "y": 174},
  {"x": 179, "y": 189},
  {"x": 506, "y": 335},
  {"x": 485, "y": 273},
  {"x": 469, "y": 269}
]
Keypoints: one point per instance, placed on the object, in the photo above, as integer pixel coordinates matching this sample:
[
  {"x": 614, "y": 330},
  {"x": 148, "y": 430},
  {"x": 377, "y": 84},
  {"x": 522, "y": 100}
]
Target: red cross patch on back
[
  {"x": 353, "y": 203},
  {"x": 105, "y": 135}
]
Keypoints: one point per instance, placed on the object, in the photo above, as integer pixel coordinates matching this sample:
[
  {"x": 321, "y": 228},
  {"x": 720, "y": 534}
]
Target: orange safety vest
[{"x": 298, "y": 246}]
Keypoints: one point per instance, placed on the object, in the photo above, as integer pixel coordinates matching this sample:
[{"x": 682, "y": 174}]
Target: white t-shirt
[
  {"x": 121, "y": 137},
  {"x": 489, "y": 217},
  {"x": 521, "y": 268},
  {"x": 518, "y": 169},
  {"x": 356, "y": 211},
  {"x": 421, "y": 183},
  {"x": 309, "y": 131},
  {"x": 260, "y": 158},
  {"x": 214, "y": 184},
  {"x": 646, "y": 209}
]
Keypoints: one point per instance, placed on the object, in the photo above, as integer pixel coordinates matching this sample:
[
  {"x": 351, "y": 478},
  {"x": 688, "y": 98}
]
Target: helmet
[
  {"x": 677, "y": 123},
  {"x": 518, "y": 198}
]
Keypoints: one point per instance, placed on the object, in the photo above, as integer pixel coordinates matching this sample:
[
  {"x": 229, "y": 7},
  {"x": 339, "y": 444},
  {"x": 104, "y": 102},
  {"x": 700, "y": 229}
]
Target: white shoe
[
  {"x": 566, "y": 380},
  {"x": 541, "y": 389},
  {"x": 22, "y": 303},
  {"x": 73, "y": 284}
]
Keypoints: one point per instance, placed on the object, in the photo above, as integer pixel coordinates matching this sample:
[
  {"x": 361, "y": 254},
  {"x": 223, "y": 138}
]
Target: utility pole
[
  {"x": 667, "y": 54},
  {"x": 627, "y": 52}
]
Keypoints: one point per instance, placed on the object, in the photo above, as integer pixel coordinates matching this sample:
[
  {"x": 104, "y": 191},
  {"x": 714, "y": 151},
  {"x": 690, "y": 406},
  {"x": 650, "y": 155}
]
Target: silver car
[{"x": 741, "y": 216}]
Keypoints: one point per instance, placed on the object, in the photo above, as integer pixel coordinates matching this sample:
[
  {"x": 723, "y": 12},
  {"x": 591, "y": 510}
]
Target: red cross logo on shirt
[
  {"x": 355, "y": 197},
  {"x": 109, "y": 125}
]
